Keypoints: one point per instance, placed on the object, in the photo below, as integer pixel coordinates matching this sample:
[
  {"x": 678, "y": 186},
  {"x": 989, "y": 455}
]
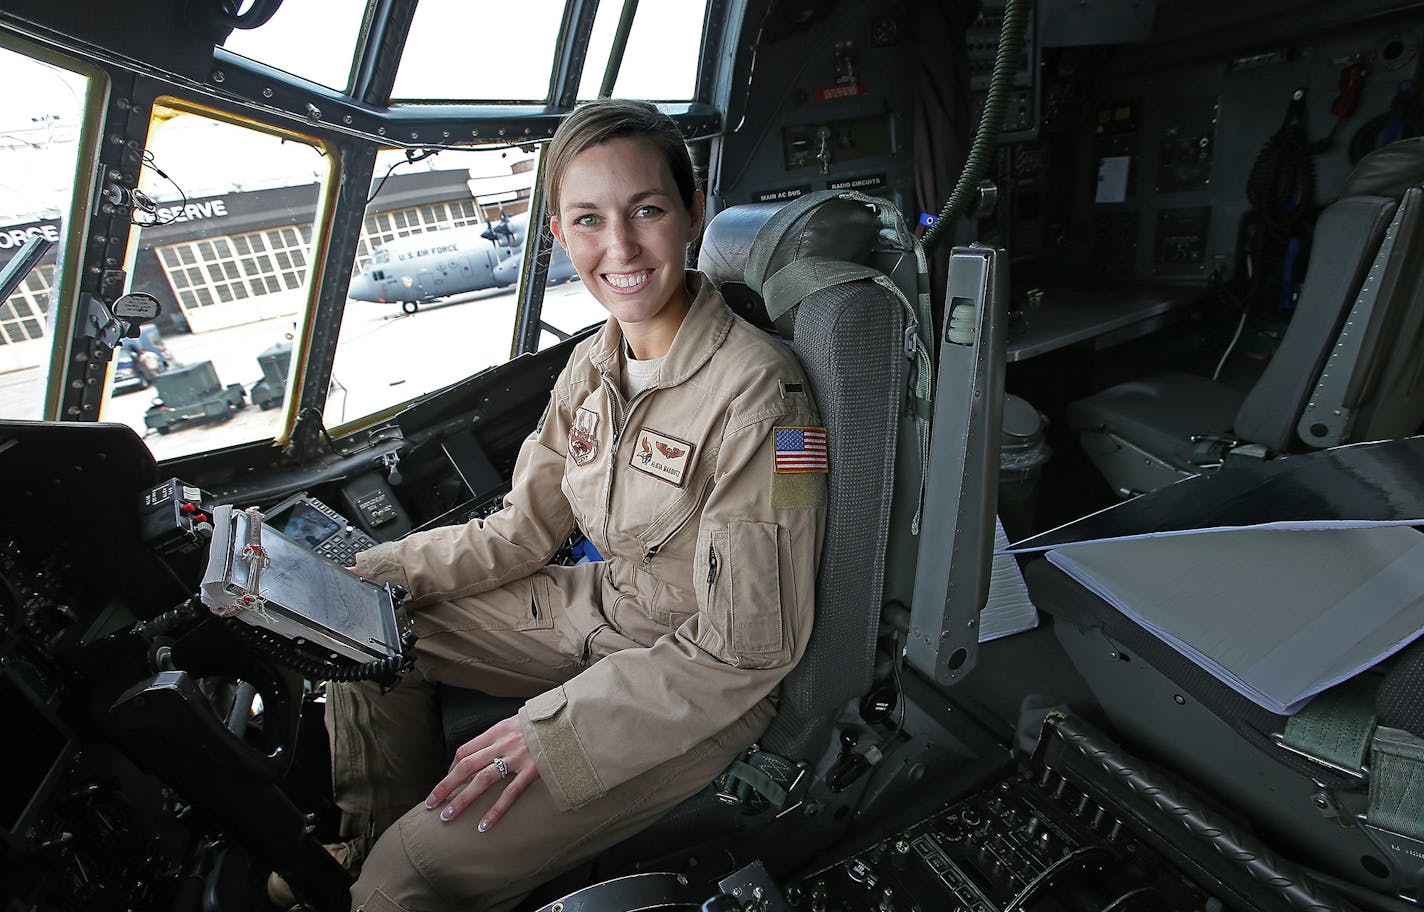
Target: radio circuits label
[{"x": 858, "y": 183}]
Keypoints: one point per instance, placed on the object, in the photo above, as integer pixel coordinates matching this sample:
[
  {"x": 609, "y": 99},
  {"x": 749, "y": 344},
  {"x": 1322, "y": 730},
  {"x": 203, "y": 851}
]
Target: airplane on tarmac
[{"x": 420, "y": 268}]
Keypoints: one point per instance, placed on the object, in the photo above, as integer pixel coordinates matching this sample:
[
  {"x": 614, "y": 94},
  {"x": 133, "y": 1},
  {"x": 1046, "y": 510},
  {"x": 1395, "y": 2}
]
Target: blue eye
[
  {"x": 586, "y": 221},
  {"x": 647, "y": 212}
]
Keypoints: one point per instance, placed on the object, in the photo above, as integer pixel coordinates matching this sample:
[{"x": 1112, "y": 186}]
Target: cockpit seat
[
  {"x": 851, "y": 340},
  {"x": 1342, "y": 373}
]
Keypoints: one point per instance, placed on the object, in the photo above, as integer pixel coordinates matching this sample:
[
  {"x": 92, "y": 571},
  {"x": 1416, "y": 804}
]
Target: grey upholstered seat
[
  {"x": 1354, "y": 323},
  {"x": 850, "y": 339}
]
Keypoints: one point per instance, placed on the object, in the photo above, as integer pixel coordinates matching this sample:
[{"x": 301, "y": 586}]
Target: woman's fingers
[
  {"x": 499, "y": 755},
  {"x": 469, "y": 761},
  {"x": 476, "y": 787},
  {"x": 521, "y": 781}
]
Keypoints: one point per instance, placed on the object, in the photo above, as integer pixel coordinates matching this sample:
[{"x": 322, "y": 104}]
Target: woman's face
[{"x": 626, "y": 230}]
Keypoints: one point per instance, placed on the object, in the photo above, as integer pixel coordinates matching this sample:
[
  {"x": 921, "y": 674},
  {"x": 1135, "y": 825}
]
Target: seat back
[
  {"x": 851, "y": 340},
  {"x": 1349, "y": 256},
  {"x": 1372, "y": 387}
]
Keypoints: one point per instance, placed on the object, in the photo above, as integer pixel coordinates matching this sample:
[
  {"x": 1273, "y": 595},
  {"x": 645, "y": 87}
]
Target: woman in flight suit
[{"x": 681, "y": 441}]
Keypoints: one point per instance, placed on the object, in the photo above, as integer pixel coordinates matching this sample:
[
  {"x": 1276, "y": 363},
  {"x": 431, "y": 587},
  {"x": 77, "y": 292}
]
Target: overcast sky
[{"x": 490, "y": 49}]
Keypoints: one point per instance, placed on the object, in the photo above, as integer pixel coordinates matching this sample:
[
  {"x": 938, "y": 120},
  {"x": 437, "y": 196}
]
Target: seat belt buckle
[{"x": 1209, "y": 450}]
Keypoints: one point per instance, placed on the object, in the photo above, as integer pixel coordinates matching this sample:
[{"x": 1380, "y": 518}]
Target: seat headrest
[
  {"x": 1388, "y": 171},
  {"x": 840, "y": 229}
]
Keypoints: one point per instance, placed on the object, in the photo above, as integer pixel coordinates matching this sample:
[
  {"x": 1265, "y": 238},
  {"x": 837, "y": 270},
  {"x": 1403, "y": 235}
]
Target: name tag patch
[
  {"x": 800, "y": 449},
  {"x": 583, "y": 436},
  {"x": 663, "y": 457}
]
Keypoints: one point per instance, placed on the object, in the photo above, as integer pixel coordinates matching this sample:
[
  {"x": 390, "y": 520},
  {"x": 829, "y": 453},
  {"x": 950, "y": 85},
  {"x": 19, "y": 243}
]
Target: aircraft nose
[{"x": 362, "y": 288}]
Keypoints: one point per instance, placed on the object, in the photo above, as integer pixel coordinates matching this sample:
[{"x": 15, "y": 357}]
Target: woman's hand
[{"x": 476, "y": 770}]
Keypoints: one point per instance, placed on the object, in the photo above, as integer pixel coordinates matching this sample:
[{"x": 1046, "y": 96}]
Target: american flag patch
[{"x": 801, "y": 449}]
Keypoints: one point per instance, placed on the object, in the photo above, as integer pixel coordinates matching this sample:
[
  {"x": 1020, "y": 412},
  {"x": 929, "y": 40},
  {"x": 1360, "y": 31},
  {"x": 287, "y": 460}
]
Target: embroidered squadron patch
[
  {"x": 800, "y": 449},
  {"x": 663, "y": 457},
  {"x": 583, "y": 436}
]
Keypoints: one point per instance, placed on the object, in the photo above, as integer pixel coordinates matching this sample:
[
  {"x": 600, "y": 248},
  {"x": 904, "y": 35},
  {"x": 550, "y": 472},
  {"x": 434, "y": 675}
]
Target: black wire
[
  {"x": 311, "y": 413},
  {"x": 1117, "y": 904},
  {"x": 1077, "y": 856},
  {"x": 1281, "y": 191},
  {"x": 899, "y": 692},
  {"x": 287, "y": 653},
  {"x": 147, "y": 161},
  {"x": 411, "y": 157}
]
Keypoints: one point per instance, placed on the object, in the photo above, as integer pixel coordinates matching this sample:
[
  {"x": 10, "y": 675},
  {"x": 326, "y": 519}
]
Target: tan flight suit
[{"x": 648, "y": 672}]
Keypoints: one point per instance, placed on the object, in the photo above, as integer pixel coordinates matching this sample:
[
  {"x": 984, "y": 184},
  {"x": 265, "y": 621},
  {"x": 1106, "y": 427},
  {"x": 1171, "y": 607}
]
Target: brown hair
[{"x": 598, "y": 122}]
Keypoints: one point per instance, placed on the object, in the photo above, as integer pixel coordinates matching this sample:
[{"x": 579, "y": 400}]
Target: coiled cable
[
  {"x": 1281, "y": 187},
  {"x": 991, "y": 120},
  {"x": 287, "y": 653}
]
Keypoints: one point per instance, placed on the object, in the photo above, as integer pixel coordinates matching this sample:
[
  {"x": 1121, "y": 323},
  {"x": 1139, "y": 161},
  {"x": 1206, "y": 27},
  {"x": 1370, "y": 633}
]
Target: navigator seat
[{"x": 1343, "y": 372}]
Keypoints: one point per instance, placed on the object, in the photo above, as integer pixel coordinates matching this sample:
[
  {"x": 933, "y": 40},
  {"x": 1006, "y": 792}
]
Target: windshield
[
  {"x": 235, "y": 201},
  {"x": 39, "y": 133}
]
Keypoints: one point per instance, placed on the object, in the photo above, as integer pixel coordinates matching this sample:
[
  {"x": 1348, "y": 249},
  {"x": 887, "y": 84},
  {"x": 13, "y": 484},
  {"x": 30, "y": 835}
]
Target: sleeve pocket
[
  {"x": 757, "y": 637},
  {"x": 546, "y": 705}
]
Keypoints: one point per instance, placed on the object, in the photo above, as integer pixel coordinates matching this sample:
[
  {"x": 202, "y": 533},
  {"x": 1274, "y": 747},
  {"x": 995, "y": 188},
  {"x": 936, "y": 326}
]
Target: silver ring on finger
[{"x": 501, "y": 767}]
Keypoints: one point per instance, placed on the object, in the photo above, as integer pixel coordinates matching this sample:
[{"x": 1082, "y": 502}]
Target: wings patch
[{"x": 661, "y": 456}]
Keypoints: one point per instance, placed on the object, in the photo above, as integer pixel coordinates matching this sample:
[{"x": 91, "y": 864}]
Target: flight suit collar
[{"x": 702, "y": 332}]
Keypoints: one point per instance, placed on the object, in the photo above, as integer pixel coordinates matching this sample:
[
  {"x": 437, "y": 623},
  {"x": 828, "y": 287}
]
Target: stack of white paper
[
  {"x": 1008, "y": 609},
  {"x": 1278, "y": 616}
]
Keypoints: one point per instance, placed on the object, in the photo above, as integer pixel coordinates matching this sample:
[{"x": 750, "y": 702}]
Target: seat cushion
[{"x": 1160, "y": 413}]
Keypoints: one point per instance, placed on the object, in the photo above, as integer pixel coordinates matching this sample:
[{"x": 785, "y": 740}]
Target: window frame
[
  {"x": 316, "y": 249},
  {"x": 65, "y": 278}
]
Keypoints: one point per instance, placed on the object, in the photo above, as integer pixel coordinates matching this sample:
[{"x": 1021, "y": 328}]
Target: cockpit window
[
  {"x": 446, "y": 234},
  {"x": 660, "y": 61},
  {"x": 316, "y": 41},
  {"x": 226, "y": 247},
  {"x": 479, "y": 50},
  {"x": 39, "y": 149}
]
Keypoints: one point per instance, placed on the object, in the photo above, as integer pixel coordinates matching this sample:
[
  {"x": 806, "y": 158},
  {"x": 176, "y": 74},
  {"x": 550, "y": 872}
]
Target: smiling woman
[
  {"x": 626, "y": 226},
  {"x": 660, "y": 441}
]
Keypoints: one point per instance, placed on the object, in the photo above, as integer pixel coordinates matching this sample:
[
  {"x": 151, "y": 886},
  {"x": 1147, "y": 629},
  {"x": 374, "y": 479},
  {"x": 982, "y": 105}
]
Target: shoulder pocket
[{"x": 741, "y": 570}]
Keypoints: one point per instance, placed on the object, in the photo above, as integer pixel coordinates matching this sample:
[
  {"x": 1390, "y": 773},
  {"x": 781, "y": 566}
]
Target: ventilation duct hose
[{"x": 991, "y": 120}]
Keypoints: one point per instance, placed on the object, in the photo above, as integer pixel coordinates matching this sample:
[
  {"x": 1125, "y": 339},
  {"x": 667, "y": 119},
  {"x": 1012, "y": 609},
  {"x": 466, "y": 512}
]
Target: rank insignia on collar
[
  {"x": 663, "y": 457},
  {"x": 583, "y": 436}
]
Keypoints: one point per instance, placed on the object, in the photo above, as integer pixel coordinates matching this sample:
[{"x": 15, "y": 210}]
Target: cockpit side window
[
  {"x": 41, "y": 145},
  {"x": 433, "y": 296},
  {"x": 224, "y": 241}
]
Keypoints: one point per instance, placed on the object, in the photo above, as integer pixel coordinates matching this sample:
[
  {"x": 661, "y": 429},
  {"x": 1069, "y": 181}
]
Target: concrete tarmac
[{"x": 384, "y": 358}]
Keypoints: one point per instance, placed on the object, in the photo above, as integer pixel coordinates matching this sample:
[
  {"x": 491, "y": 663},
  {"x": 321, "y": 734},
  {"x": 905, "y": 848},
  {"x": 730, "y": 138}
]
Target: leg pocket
[
  {"x": 378, "y": 901},
  {"x": 524, "y": 604}
]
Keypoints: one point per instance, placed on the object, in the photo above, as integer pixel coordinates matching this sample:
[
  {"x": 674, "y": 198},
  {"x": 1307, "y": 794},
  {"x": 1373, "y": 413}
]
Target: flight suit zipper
[
  {"x": 588, "y": 643},
  {"x": 615, "y": 401},
  {"x": 653, "y": 549},
  {"x": 620, "y": 424},
  {"x": 711, "y": 571}
]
